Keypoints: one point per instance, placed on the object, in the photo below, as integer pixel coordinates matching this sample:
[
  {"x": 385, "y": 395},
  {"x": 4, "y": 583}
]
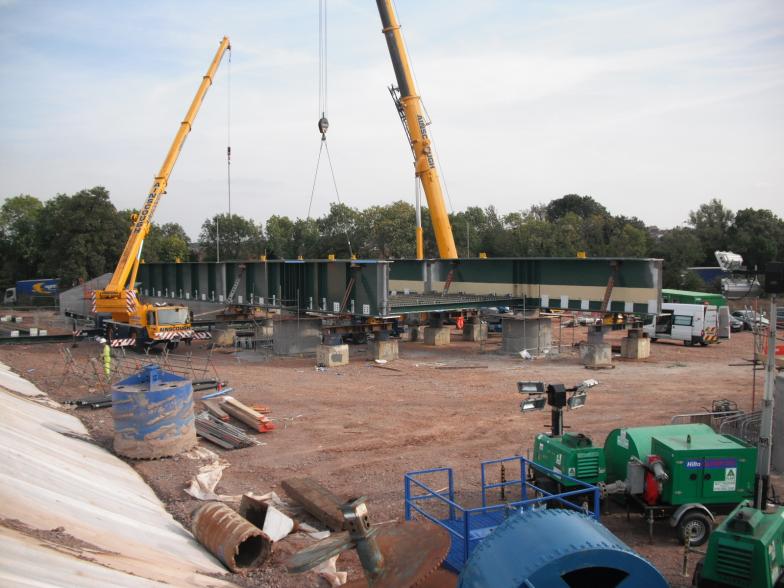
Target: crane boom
[
  {"x": 412, "y": 113},
  {"x": 128, "y": 265}
]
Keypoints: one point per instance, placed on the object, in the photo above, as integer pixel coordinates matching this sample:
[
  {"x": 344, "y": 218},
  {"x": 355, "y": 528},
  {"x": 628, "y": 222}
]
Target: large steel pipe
[{"x": 231, "y": 538}]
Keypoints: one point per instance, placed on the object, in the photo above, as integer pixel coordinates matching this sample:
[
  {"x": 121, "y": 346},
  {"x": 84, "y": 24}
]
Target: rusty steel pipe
[{"x": 230, "y": 538}]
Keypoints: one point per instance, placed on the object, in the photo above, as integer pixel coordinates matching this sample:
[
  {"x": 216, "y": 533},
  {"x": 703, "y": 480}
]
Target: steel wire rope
[{"x": 322, "y": 106}]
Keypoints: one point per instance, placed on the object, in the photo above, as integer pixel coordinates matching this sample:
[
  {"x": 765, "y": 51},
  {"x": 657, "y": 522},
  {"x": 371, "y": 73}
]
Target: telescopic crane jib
[
  {"x": 409, "y": 105},
  {"x": 129, "y": 317}
]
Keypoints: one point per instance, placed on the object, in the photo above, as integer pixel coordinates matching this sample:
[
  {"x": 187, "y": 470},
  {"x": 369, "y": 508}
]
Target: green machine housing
[
  {"x": 573, "y": 454},
  {"x": 703, "y": 466},
  {"x": 746, "y": 550}
]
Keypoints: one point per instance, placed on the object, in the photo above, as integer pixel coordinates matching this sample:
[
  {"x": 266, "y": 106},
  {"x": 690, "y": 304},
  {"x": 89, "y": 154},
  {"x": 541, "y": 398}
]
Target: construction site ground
[{"x": 357, "y": 429}]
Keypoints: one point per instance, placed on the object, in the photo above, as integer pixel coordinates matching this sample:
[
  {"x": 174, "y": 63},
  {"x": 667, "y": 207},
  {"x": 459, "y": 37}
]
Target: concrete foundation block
[
  {"x": 635, "y": 347},
  {"x": 596, "y": 355},
  {"x": 437, "y": 335},
  {"x": 387, "y": 350},
  {"x": 224, "y": 337},
  {"x": 532, "y": 334},
  {"x": 332, "y": 355},
  {"x": 474, "y": 331},
  {"x": 412, "y": 333},
  {"x": 296, "y": 337}
]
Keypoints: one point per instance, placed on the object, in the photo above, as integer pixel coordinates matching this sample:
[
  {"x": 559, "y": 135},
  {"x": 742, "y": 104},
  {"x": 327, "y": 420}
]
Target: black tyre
[
  {"x": 696, "y": 579},
  {"x": 703, "y": 342},
  {"x": 695, "y": 526}
]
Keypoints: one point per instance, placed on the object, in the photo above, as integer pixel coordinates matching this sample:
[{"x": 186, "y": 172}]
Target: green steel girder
[{"x": 371, "y": 287}]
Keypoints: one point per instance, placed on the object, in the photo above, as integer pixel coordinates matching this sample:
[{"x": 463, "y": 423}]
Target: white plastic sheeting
[{"x": 124, "y": 536}]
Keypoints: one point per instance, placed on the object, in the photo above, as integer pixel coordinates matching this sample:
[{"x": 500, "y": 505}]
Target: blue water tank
[
  {"x": 153, "y": 414},
  {"x": 556, "y": 548}
]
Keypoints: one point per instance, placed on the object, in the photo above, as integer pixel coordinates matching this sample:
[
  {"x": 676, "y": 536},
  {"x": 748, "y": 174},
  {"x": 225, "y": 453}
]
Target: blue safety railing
[{"x": 468, "y": 526}]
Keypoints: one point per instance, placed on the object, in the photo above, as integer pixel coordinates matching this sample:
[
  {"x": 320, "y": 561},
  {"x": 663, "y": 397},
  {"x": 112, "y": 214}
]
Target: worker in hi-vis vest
[{"x": 107, "y": 357}]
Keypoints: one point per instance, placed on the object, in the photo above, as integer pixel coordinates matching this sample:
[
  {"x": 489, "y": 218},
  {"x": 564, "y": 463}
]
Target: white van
[{"x": 690, "y": 323}]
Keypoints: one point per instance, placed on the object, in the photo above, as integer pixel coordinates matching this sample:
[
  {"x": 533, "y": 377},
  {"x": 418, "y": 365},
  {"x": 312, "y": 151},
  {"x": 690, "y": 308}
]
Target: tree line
[{"x": 80, "y": 236}]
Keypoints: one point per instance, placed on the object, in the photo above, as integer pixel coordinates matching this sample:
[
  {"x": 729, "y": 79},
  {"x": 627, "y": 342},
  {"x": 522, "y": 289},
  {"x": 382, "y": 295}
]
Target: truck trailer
[{"x": 40, "y": 292}]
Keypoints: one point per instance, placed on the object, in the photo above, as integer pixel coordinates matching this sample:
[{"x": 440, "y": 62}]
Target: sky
[{"x": 651, "y": 107}]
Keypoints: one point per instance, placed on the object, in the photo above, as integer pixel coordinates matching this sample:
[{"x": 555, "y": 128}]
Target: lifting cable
[{"x": 323, "y": 123}]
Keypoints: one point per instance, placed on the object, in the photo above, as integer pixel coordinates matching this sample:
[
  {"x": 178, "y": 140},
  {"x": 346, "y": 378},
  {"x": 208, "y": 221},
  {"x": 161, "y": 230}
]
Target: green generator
[
  {"x": 745, "y": 551},
  {"x": 573, "y": 454},
  {"x": 702, "y": 466}
]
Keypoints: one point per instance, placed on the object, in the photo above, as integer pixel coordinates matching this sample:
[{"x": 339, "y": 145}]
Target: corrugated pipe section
[{"x": 231, "y": 538}]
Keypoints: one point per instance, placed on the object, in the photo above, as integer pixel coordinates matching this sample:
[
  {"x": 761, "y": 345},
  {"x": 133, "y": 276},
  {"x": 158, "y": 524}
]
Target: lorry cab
[
  {"x": 10, "y": 296},
  {"x": 691, "y": 323}
]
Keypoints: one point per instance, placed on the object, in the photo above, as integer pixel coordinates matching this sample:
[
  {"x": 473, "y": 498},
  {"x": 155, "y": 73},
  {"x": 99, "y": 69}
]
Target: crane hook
[{"x": 323, "y": 125}]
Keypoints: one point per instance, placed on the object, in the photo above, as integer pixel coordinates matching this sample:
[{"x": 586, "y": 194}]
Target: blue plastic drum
[{"x": 153, "y": 415}]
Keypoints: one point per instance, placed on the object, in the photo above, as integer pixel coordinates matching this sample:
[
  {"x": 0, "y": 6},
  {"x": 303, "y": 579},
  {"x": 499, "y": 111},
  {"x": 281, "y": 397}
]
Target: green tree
[
  {"x": 680, "y": 248},
  {"x": 758, "y": 235},
  {"x": 582, "y": 206},
  {"x": 390, "y": 231},
  {"x": 280, "y": 237},
  {"x": 339, "y": 227},
  {"x": 240, "y": 238},
  {"x": 711, "y": 223},
  {"x": 80, "y": 236},
  {"x": 167, "y": 242},
  {"x": 19, "y": 251}
]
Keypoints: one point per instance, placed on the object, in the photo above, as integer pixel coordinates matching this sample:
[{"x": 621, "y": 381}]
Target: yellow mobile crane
[
  {"x": 117, "y": 306},
  {"x": 409, "y": 107}
]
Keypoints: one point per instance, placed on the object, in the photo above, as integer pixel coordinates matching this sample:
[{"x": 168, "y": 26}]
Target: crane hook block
[{"x": 323, "y": 125}]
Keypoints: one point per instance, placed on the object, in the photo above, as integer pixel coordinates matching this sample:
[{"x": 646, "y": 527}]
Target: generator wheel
[
  {"x": 695, "y": 526},
  {"x": 696, "y": 579}
]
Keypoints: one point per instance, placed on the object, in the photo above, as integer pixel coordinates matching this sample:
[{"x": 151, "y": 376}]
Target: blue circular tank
[
  {"x": 153, "y": 414},
  {"x": 556, "y": 549}
]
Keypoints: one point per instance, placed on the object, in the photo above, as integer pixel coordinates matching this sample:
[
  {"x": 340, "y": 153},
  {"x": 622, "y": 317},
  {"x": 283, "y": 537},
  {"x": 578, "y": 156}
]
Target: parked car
[
  {"x": 750, "y": 319},
  {"x": 736, "y": 324}
]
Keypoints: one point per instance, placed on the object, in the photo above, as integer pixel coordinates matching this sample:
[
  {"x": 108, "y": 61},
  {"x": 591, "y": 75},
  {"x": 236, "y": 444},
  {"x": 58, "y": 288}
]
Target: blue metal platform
[{"x": 469, "y": 526}]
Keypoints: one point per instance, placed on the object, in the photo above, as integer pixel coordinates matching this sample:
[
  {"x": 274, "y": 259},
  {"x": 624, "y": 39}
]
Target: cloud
[{"x": 651, "y": 107}]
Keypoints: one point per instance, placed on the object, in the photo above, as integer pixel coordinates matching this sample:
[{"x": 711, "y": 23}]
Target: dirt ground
[{"x": 358, "y": 429}]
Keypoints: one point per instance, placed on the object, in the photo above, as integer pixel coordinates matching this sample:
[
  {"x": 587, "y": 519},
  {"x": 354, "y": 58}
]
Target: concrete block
[
  {"x": 224, "y": 337},
  {"x": 43, "y": 333},
  {"x": 332, "y": 355},
  {"x": 296, "y": 336},
  {"x": 475, "y": 331},
  {"x": 387, "y": 350},
  {"x": 33, "y": 332},
  {"x": 532, "y": 334},
  {"x": 635, "y": 347},
  {"x": 596, "y": 355},
  {"x": 437, "y": 335}
]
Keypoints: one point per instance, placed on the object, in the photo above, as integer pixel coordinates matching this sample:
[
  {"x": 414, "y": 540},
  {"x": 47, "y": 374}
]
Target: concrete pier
[
  {"x": 296, "y": 336},
  {"x": 635, "y": 346},
  {"x": 475, "y": 331},
  {"x": 437, "y": 336},
  {"x": 332, "y": 355},
  {"x": 387, "y": 350},
  {"x": 595, "y": 352},
  {"x": 534, "y": 334}
]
